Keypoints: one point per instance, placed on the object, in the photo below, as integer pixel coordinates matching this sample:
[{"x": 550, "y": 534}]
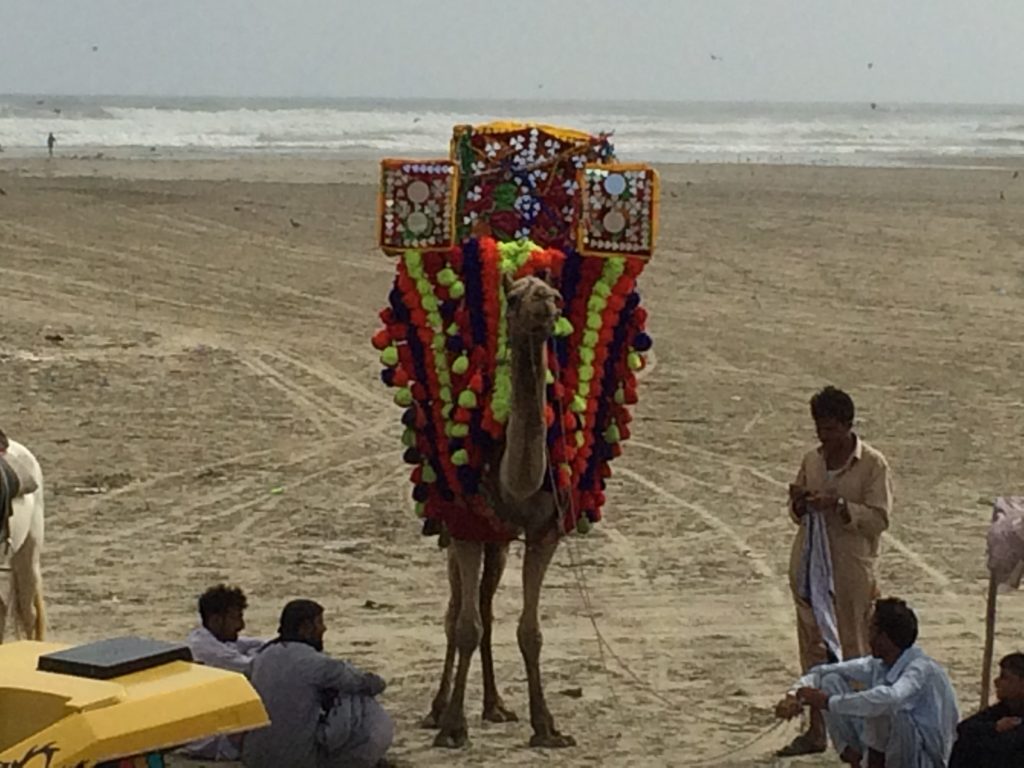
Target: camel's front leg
[
  {"x": 495, "y": 557},
  {"x": 535, "y": 565},
  {"x": 469, "y": 557},
  {"x": 433, "y": 719}
]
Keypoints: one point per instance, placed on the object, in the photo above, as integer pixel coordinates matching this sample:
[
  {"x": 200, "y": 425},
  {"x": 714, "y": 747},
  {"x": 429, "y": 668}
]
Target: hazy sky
[{"x": 921, "y": 50}]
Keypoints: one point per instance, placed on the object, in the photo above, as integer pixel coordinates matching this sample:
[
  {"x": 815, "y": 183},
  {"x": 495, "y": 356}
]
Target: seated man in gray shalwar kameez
[{"x": 323, "y": 713}]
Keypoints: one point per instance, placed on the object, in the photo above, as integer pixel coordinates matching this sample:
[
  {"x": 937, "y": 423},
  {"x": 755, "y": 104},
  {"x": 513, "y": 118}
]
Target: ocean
[{"x": 831, "y": 134}]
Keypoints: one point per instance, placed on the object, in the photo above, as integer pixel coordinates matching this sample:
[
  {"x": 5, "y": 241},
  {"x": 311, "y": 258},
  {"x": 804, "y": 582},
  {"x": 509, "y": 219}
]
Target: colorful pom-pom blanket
[{"x": 444, "y": 344}]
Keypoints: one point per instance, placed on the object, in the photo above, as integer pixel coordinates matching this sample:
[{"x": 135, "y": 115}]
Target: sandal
[{"x": 802, "y": 745}]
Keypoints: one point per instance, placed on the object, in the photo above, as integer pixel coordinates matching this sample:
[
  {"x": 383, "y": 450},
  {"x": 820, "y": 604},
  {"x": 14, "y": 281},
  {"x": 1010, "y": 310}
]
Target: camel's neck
[{"x": 524, "y": 460}]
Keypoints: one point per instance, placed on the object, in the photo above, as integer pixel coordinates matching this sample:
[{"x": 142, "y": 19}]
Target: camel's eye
[{"x": 514, "y": 300}]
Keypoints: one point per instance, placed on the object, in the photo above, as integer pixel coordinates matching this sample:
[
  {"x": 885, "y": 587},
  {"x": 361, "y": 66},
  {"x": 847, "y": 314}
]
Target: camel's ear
[
  {"x": 508, "y": 282},
  {"x": 545, "y": 275}
]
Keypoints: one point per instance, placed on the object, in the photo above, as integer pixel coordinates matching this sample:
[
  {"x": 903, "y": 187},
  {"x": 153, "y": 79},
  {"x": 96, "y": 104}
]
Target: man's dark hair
[
  {"x": 1013, "y": 663},
  {"x": 894, "y": 617},
  {"x": 218, "y": 600},
  {"x": 294, "y": 615},
  {"x": 832, "y": 403}
]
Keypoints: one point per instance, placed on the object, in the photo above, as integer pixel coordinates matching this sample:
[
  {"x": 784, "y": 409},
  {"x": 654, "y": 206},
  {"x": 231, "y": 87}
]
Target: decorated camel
[
  {"x": 21, "y": 540},
  {"x": 512, "y": 338}
]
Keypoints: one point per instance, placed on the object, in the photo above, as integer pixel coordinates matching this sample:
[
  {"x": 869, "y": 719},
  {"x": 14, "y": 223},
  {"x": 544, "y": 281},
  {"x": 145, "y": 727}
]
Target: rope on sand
[{"x": 603, "y": 646}]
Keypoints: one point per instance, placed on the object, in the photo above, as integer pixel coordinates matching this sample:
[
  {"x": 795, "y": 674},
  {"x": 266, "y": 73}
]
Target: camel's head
[{"x": 533, "y": 306}]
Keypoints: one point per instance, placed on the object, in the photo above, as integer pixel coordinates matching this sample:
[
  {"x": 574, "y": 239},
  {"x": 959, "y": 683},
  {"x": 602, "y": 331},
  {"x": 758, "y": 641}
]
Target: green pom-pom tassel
[
  {"x": 594, "y": 321},
  {"x": 590, "y": 338},
  {"x": 611, "y": 435},
  {"x": 430, "y": 304},
  {"x": 578, "y": 405},
  {"x": 409, "y": 438},
  {"x": 580, "y": 439},
  {"x": 549, "y": 377},
  {"x": 446, "y": 276},
  {"x": 587, "y": 356},
  {"x": 403, "y": 397},
  {"x": 467, "y": 398},
  {"x": 457, "y": 289},
  {"x": 460, "y": 457},
  {"x": 446, "y": 395},
  {"x": 620, "y": 396},
  {"x": 421, "y": 509},
  {"x": 446, "y": 411},
  {"x": 389, "y": 356},
  {"x": 453, "y": 329},
  {"x": 461, "y": 365},
  {"x": 634, "y": 361},
  {"x": 460, "y": 430},
  {"x": 429, "y": 475},
  {"x": 586, "y": 372},
  {"x": 563, "y": 327},
  {"x": 583, "y": 525}
]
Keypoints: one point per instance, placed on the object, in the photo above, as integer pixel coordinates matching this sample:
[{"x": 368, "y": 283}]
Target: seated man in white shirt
[
  {"x": 216, "y": 643},
  {"x": 893, "y": 709}
]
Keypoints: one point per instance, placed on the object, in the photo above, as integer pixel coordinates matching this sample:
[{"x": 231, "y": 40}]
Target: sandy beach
[{"x": 185, "y": 347}]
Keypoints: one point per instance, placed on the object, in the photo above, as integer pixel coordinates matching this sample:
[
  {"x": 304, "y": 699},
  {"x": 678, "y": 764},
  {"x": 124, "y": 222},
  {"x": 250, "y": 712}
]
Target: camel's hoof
[
  {"x": 554, "y": 740},
  {"x": 498, "y": 713},
  {"x": 431, "y": 721},
  {"x": 452, "y": 739}
]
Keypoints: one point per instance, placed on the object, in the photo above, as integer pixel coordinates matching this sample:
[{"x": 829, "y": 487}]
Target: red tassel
[
  {"x": 476, "y": 383},
  {"x": 549, "y": 415},
  {"x": 463, "y": 415},
  {"x": 433, "y": 261},
  {"x": 401, "y": 377},
  {"x": 381, "y": 339}
]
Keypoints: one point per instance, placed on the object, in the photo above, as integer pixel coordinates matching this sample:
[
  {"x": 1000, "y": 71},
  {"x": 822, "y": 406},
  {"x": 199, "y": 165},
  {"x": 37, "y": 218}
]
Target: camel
[
  {"x": 475, "y": 568},
  {"x": 25, "y": 536}
]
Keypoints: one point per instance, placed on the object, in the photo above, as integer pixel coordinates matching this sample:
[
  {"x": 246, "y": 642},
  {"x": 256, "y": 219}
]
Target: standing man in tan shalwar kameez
[{"x": 849, "y": 484}]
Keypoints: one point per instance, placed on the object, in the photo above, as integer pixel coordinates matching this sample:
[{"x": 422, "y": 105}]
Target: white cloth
[{"x": 815, "y": 581}]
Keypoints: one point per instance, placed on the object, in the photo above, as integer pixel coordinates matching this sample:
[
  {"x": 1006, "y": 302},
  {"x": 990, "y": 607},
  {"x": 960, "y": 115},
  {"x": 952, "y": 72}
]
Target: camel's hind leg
[
  {"x": 440, "y": 703},
  {"x": 469, "y": 555},
  {"x": 27, "y": 591},
  {"x": 535, "y": 564},
  {"x": 495, "y": 557}
]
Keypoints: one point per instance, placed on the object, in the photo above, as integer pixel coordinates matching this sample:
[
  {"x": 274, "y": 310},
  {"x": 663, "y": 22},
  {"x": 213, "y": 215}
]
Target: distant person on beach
[
  {"x": 841, "y": 502},
  {"x": 994, "y": 737},
  {"x": 323, "y": 711},
  {"x": 216, "y": 643},
  {"x": 893, "y": 709},
  {"x": 50, "y": 141}
]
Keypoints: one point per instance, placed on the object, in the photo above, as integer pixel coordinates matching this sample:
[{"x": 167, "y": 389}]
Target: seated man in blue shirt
[
  {"x": 893, "y": 709},
  {"x": 994, "y": 737}
]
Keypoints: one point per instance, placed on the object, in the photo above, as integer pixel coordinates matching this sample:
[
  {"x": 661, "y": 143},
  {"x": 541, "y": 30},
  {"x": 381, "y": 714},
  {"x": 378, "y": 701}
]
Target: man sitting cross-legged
[
  {"x": 323, "y": 711},
  {"x": 893, "y": 709}
]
